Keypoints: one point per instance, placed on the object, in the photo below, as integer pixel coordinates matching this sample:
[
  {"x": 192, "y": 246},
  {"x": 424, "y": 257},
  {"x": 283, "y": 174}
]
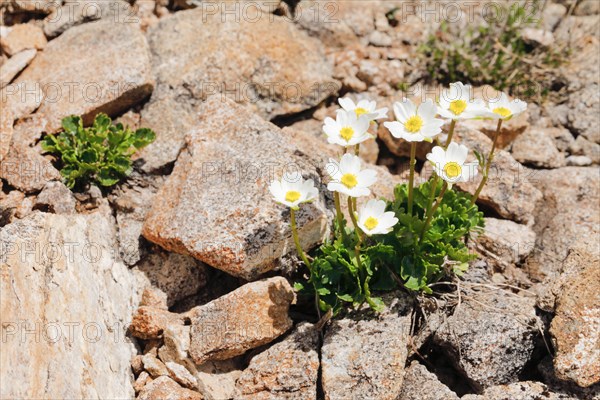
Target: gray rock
[
  {"x": 181, "y": 375},
  {"x": 575, "y": 328},
  {"x": 587, "y": 7},
  {"x": 286, "y": 370},
  {"x": 570, "y": 216},
  {"x": 363, "y": 355},
  {"x": 65, "y": 291},
  {"x": 490, "y": 337},
  {"x": 243, "y": 60},
  {"x": 506, "y": 240},
  {"x": 25, "y": 169},
  {"x": 582, "y": 146},
  {"x": 217, "y": 379},
  {"x": 57, "y": 197},
  {"x": 552, "y": 14},
  {"x": 14, "y": 65},
  {"x": 536, "y": 148},
  {"x": 97, "y": 67},
  {"x": 167, "y": 389},
  {"x": 154, "y": 366},
  {"x": 6, "y": 128},
  {"x": 216, "y": 205},
  {"x": 251, "y": 316},
  {"x": 578, "y": 161},
  {"x": 528, "y": 390},
  {"x": 76, "y": 12},
  {"x": 22, "y": 37},
  {"x": 563, "y": 139},
  {"x": 132, "y": 199},
  {"x": 176, "y": 275},
  {"x": 420, "y": 384}
]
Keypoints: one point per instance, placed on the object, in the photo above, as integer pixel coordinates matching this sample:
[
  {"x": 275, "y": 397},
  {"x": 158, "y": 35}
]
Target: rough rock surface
[
  {"x": 251, "y": 62},
  {"x": 76, "y": 12},
  {"x": 508, "y": 191},
  {"x": 165, "y": 388},
  {"x": 151, "y": 322},
  {"x": 576, "y": 326},
  {"x": 537, "y": 148},
  {"x": 253, "y": 315},
  {"x": 527, "y": 390},
  {"x": 216, "y": 204},
  {"x": 97, "y": 67},
  {"x": 569, "y": 216},
  {"x": 14, "y": 65},
  {"x": 287, "y": 370},
  {"x": 490, "y": 337},
  {"x": 177, "y": 275},
  {"x": 23, "y": 37},
  {"x": 420, "y": 384},
  {"x": 507, "y": 240},
  {"x": 132, "y": 200},
  {"x": 57, "y": 198},
  {"x": 363, "y": 355},
  {"x": 25, "y": 169},
  {"x": 70, "y": 299},
  {"x": 6, "y": 128}
]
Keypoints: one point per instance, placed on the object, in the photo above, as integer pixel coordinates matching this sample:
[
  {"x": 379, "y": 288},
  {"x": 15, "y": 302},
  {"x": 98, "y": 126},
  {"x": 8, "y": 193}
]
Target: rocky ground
[{"x": 177, "y": 283}]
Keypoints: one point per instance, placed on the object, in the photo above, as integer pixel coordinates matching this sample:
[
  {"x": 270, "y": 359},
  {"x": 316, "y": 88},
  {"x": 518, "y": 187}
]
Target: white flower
[
  {"x": 364, "y": 108},
  {"x": 505, "y": 109},
  {"x": 373, "y": 220},
  {"x": 450, "y": 164},
  {"x": 347, "y": 178},
  {"x": 347, "y": 129},
  {"x": 457, "y": 104},
  {"x": 293, "y": 190},
  {"x": 415, "y": 124}
]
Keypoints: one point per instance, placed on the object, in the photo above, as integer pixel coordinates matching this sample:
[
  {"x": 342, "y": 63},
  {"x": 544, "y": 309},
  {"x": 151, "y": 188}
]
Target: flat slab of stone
[
  {"x": 216, "y": 205},
  {"x": 96, "y": 67},
  {"x": 251, "y": 316},
  {"x": 65, "y": 302},
  {"x": 263, "y": 61},
  {"x": 363, "y": 355},
  {"x": 286, "y": 370}
]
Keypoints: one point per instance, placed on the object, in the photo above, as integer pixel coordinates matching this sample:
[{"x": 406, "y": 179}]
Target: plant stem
[
  {"x": 353, "y": 218},
  {"x": 450, "y": 133},
  {"x": 438, "y": 201},
  {"x": 357, "y": 149},
  {"x": 488, "y": 164},
  {"x": 411, "y": 178},
  {"x": 358, "y": 233},
  {"x": 339, "y": 216},
  {"x": 297, "y": 240}
]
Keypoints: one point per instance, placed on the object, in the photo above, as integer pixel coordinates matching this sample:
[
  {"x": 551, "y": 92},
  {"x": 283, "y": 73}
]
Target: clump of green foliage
[
  {"x": 100, "y": 153},
  {"x": 404, "y": 257},
  {"x": 495, "y": 53}
]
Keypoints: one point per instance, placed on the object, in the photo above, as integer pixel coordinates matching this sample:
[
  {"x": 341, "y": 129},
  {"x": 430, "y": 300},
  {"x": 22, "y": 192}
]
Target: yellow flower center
[
  {"x": 503, "y": 112},
  {"x": 347, "y": 133},
  {"x": 349, "y": 181},
  {"x": 292, "y": 196},
  {"x": 458, "y": 107},
  {"x": 360, "y": 111},
  {"x": 452, "y": 170},
  {"x": 414, "y": 124},
  {"x": 371, "y": 223}
]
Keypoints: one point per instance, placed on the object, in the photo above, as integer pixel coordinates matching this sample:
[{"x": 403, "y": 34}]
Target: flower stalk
[
  {"x": 488, "y": 163},
  {"x": 411, "y": 178},
  {"x": 297, "y": 239},
  {"x": 432, "y": 211}
]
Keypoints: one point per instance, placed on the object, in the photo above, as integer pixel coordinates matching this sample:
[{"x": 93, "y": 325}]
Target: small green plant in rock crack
[
  {"x": 100, "y": 153},
  {"x": 496, "y": 53},
  {"x": 413, "y": 240}
]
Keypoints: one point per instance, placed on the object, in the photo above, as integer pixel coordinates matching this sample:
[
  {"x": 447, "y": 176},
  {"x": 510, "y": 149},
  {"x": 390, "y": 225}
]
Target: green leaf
[{"x": 71, "y": 124}]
